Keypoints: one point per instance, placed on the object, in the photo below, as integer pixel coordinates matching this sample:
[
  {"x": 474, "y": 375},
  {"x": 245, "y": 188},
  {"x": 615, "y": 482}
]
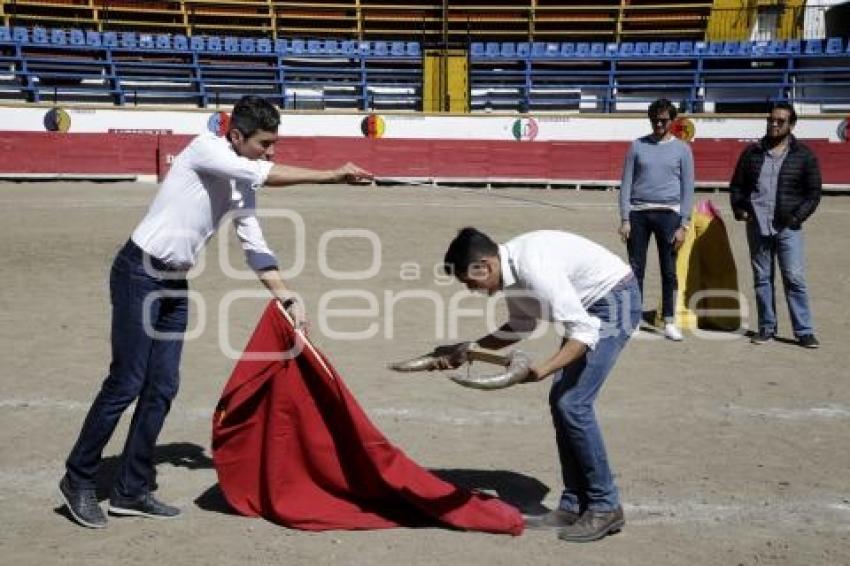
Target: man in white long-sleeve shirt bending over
[
  {"x": 564, "y": 278},
  {"x": 208, "y": 179}
]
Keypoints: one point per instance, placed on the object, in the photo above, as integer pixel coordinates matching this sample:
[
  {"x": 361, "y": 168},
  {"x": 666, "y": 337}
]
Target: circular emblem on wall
[
  {"x": 57, "y": 120},
  {"x": 373, "y": 126},
  {"x": 218, "y": 123},
  {"x": 684, "y": 129},
  {"x": 525, "y": 129},
  {"x": 843, "y": 133}
]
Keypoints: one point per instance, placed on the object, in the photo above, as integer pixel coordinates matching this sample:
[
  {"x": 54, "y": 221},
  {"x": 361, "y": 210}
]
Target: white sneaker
[{"x": 671, "y": 332}]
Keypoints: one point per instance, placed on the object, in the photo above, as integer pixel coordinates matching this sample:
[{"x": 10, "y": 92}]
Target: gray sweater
[{"x": 659, "y": 173}]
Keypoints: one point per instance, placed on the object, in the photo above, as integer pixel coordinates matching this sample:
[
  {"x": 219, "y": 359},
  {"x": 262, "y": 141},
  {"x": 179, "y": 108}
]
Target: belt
[{"x": 133, "y": 250}]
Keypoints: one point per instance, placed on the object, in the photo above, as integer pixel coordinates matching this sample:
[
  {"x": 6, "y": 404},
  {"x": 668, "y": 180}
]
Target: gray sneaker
[
  {"x": 82, "y": 504},
  {"x": 593, "y": 525},
  {"x": 142, "y": 506}
]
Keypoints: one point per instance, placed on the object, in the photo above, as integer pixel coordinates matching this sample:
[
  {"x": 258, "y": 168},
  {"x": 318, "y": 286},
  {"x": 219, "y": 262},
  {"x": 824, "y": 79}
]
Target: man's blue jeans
[
  {"x": 588, "y": 480},
  {"x": 146, "y": 351},
  {"x": 787, "y": 247},
  {"x": 663, "y": 225}
]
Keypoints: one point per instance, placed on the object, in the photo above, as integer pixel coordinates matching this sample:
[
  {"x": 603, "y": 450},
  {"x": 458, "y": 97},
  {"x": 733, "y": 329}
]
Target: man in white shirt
[
  {"x": 209, "y": 178},
  {"x": 564, "y": 278}
]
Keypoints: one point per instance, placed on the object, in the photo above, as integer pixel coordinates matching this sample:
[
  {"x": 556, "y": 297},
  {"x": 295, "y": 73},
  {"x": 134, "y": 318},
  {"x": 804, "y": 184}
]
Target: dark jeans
[
  {"x": 588, "y": 481},
  {"x": 149, "y": 317},
  {"x": 662, "y": 224}
]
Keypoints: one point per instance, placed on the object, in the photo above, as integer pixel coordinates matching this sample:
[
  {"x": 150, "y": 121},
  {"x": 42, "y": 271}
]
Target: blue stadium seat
[
  {"x": 198, "y": 43},
  {"x": 671, "y": 48},
  {"x": 397, "y": 49},
  {"x": 163, "y": 42},
  {"x": 715, "y": 48},
  {"x": 793, "y": 46},
  {"x": 298, "y": 46},
  {"x": 612, "y": 50},
  {"x": 58, "y": 37},
  {"x": 214, "y": 43},
  {"x": 39, "y": 35},
  {"x": 332, "y": 47},
  {"x": 477, "y": 49},
  {"x": 552, "y": 50},
  {"x": 508, "y": 50},
  {"x": 583, "y": 49},
  {"x": 349, "y": 47},
  {"x": 264, "y": 45},
  {"x": 641, "y": 48},
  {"x": 413, "y": 49},
  {"x": 231, "y": 44},
  {"x": 686, "y": 48},
  {"x": 597, "y": 49},
  {"x": 523, "y": 50},
  {"x": 700, "y": 48},
  {"x": 760, "y": 48},
  {"x": 656, "y": 49},
  {"x": 776, "y": 47},
  {"x": 77, "y": 37},
  {"x": 93, "y": 39},
  {"x": 5, "y": 35},
  {"x": 248, "y": 45},
  {"x": 110, "y": 39},
  {"x": 280, "y": 46},
  {"x": 180, "y": 42},
  {"x": 381, "y": 48},
  {"x": 364, "y": 47},
  {"x": 314, "y": 47},
  {"x": 538, "y": 49},
  {"x": 568, "y": 49},
  {"x": 834, "y": 46},
  {"x": 146, "y": 41},
  {"x": 20, "y": 34},
  {"x": 814, "y": 47},
  {"x": 492, "y": 49},
  {"x": 745, "y": 48},
  {"x": 128, "y": 40},
  {"x": 627, "y": 49}
]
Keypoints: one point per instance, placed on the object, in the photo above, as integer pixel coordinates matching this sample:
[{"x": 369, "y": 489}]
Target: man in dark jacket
[{"x": 776, "y": 187}]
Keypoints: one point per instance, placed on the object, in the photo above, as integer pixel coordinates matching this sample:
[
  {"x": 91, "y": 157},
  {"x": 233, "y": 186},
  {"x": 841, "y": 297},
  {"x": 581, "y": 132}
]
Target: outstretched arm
[{"x": 283, "y": 175}]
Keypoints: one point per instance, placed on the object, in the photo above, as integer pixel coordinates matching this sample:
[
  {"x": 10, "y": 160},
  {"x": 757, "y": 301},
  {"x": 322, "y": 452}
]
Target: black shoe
[
  {"x": 551, "y": 520},
  {"x": 808, "y": 341},
  {"x": 143, "y": 506},
  {"x": 763, "y": 337},
  {"x": 593, "y": 525},
  {"x": 82, "y": 504}
]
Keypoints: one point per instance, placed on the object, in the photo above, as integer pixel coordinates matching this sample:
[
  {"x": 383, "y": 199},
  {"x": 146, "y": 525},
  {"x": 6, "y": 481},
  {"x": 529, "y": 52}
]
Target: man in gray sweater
[{"x": 655, "y": 199}]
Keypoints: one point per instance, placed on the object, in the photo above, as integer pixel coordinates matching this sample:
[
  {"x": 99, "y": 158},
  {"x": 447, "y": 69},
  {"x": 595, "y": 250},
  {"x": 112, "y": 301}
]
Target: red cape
[{"x": 291, "y": 444}]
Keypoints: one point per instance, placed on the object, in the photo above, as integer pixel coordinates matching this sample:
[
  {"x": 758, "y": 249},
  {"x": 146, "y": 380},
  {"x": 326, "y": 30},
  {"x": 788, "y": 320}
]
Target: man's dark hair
[
  {"x": 469, "y": 246},
  {"x": 252, "y": 113},
  {"x": 662, "y": 105},
  {"x": 782, "y": 105}
]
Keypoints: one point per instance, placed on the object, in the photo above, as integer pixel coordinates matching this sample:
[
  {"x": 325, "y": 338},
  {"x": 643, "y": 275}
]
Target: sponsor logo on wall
[
  {"x": 373, "y": 126},
  {"x": 842, "y": 132},
  {"x": 525, "y": 129},
  {"x": 218, "y": 123},
  {"x": 684, "y": 129},
  {"x": 57, "y": 120}
]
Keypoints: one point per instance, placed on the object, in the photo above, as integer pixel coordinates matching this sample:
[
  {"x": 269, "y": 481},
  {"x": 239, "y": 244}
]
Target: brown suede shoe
[
  {"x": 593, "y": 525},
  {"x": 551, "y": 520}
]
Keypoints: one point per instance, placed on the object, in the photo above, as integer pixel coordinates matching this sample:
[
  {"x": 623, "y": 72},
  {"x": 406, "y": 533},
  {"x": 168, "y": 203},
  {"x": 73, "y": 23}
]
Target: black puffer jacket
[{"x": 798, "y": 190}]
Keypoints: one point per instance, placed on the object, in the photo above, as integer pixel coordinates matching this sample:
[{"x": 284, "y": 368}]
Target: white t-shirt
[
  {"x": 554, "y": 275},
  {"x": 206, "y": 180}
]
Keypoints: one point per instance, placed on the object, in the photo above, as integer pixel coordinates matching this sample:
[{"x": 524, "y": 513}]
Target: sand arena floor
[{"x": 725, "y": 453}]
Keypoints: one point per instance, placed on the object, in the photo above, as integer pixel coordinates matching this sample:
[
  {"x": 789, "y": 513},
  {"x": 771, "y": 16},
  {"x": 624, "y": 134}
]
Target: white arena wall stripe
[{"x": 546, "y": 127}]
